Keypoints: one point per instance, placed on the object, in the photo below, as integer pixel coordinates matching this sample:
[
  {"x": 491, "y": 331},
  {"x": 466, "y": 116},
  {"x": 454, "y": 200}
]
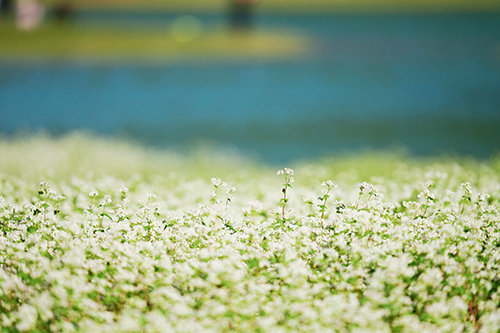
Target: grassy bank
[
  {"x": 298, "y": 6},
  {"x": 157, "y": 44}
]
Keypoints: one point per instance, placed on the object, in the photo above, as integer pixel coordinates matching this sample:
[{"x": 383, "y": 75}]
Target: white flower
[
  {"x": 216, "y": 182},
  {"x": 466, "y": 187},
  {"x": 285, "y": 171},
  {"x": 106, "y": 200},
  {"x": 329, "y": 184},
  {"x": 273, "y": 211},
  {"x": 309, "y": 200},
  {"x": 230, "y": 190},
  {"x": 362, "y": 186},
  {"x": 28, "y": 316},
  {"x": 255, "y": 205}
]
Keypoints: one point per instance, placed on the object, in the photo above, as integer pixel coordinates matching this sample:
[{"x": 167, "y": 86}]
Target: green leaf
[
  {"x": 31, "y": 229},
  {"x": 254, "y": 262}
]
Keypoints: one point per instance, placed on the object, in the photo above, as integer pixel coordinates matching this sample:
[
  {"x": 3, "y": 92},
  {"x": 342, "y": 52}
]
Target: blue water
[{"x": 430, "y": 83}]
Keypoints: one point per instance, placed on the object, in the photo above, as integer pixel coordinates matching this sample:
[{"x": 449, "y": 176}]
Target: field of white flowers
[{"x": 99, "y": 235}]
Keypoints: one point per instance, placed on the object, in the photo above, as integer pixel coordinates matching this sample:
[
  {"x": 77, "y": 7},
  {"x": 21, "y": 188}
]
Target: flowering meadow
[{"x": 99, "y": 235}]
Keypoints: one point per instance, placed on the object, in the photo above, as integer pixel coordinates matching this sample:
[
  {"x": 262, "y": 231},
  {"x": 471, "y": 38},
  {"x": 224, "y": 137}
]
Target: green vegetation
[
  {"x": 101, "y": 235},
  {"x": 156, "y": 44},
  {"x": 297, "y": 6}
]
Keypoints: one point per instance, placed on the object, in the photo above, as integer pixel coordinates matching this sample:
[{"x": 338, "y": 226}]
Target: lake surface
[{"x": 430, "y": 83}]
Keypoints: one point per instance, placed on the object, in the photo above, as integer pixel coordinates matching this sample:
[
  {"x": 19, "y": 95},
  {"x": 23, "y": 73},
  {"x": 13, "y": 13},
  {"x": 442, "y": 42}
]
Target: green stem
[
  {"x": 284, "y": 203},
  {"x": 102, "y": 216},
  {"x": 359, "y": 198},
  {"x": 323, "y": 209}
]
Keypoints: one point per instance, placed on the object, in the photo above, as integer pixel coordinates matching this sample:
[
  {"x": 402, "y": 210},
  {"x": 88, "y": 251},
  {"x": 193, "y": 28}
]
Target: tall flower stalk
[
  {"x": 326, "y": 194},
  {"x": 287, "y": 173}
]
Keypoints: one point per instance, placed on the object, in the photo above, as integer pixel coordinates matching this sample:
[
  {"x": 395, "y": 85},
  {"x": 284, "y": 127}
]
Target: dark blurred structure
[
  {"x": 62, "y": 11},
  {"x": 241, "y": 14},
  {"x": 6, "y": 6}
]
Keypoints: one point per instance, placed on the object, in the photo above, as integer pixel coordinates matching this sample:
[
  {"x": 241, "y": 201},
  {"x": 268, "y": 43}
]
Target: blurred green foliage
[
  {"x": 157, "y": 44},
  {"x": 300, "y": 6},
  {"x": 80, "y": 153}
]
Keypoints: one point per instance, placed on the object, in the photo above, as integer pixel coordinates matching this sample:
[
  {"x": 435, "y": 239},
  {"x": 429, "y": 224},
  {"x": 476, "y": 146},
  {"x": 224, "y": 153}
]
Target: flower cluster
[{"x": 105, "y": 254}]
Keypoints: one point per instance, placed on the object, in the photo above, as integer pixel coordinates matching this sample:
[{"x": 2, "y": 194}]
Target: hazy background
[{"x": 283, "y": 80}]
